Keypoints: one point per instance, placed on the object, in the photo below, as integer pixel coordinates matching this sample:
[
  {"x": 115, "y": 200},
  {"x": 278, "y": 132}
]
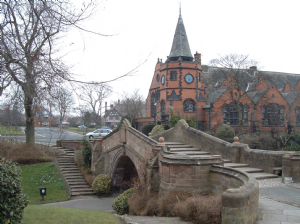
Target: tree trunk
[{"x": 29, "y": 122}]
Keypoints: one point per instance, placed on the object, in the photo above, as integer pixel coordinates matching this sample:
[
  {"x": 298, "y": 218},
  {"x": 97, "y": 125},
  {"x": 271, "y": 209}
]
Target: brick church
[{"x": 270, "y": 101}]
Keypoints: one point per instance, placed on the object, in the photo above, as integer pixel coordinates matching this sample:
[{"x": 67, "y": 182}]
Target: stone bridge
[{"x": 188, "y": 159}]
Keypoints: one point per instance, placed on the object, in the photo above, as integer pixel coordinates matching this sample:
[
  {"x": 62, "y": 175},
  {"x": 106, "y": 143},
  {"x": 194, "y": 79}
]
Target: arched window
[
  {"x": 189, "y": 105},
  {"x": 297, "y": 112},
  {"x": 163, "y": 107},
  {"x": 153, "y": 105},
  {"x": 231, "y": 114},
  {"x": 272, "y": 115}
]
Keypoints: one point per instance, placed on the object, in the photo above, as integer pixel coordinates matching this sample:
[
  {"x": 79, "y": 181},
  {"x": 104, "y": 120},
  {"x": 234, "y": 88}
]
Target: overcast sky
[{"x": 267, "y": 30}]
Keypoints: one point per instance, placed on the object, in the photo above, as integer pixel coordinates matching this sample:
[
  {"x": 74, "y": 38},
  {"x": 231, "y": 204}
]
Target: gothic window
[
  {"x": 157, "y": 77},
  {"x": 163, "y": 107},
  {"x": 173, "y": 75},
  {"x": 297, "y": 111},
  {"x": 189, "y": 105},
  {"x": 231, "y": 114},
  {"x": 153, "y": 105},
  {"x": 272, "y": 115}
]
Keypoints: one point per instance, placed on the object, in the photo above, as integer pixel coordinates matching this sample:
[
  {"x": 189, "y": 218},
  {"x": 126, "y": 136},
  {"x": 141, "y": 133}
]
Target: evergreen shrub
[
  {"x": 157, "y": 130},
  {"x": 120, "y": 204},
  {"x": 86, "y": 152},
  {"x": 147, "y": 128},
  {"x": 12, "y": 200},
  {"x": 225, "y": 132},
  {"x": 101, "y": 184}
]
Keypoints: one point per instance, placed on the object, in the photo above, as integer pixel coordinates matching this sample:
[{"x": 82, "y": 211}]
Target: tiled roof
[
  {"x": 290, "y": 97},
  {"x": 180, "y": 46},
  {"x": 213, "y": 96}
]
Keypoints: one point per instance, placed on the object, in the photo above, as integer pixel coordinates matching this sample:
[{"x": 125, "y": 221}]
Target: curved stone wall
[{"x": 240, "y": 194}]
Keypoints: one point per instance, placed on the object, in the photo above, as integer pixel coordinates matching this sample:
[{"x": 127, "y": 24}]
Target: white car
[{"x": 96, "y": 133}]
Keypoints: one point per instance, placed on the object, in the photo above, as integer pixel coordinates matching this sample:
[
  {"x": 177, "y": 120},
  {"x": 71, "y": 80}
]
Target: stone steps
[
  {"x": 235, "y": 165},
  {"x": 70, "y": 171},
  {"x": 255, "y": 172},
  {"x": 183, "y": 149},
  {"x": 250, "y": 170},
  {"x": 260, "y": 176}
]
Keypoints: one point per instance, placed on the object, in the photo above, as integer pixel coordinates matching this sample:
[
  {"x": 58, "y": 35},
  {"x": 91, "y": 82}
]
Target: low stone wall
[
  {"x": 240, "y": 194},
  {"x": 237, "y": 153},
  {"x": 263, "y": 159},
  {"x": 70, "y": 144}
]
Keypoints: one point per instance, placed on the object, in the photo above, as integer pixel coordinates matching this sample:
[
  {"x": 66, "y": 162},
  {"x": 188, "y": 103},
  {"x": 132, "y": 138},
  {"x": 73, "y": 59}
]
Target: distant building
[
  {"x": 42, "y": 117},
  {"x": 182, "y": 85},
  {"x": 112, "y": 117}
]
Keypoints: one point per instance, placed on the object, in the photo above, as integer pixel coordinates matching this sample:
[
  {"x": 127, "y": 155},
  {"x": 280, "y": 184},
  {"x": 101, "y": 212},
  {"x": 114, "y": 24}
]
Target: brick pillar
[{"x": 287, "y": 167}]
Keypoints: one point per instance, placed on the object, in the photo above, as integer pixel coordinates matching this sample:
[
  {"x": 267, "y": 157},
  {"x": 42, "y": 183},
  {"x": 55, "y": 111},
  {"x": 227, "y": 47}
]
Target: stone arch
[{"x": 123, "y": 167}]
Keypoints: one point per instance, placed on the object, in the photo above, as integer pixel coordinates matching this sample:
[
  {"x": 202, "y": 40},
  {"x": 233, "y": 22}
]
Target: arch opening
[{"x": 124, "y": 174}]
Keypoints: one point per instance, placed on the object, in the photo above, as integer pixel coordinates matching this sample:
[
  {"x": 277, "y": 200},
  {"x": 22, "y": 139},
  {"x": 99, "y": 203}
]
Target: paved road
[{"x": 48, "y": 135}]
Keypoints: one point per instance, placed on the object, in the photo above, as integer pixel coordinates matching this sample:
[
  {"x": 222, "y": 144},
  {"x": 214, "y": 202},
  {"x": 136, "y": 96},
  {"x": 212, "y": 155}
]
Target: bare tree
[
  {"x": 235, "y": 71},
  {"x": 93, "y": 95},
  {"x": 132, "y": 105},
  {"x": 29, "y": 33},
  {"x": 63, "y": 101}
]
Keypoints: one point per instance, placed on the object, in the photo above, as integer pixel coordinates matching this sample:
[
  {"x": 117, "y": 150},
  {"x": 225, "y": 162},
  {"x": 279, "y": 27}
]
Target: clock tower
[{"x": 177, "y": 84}]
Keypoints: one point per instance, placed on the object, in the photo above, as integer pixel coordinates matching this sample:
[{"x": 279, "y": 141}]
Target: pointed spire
[{"x": 180, "y": 46}]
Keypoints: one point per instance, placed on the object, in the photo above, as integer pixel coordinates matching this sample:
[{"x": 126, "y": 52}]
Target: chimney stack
[
  {"x": 197, "y": 58},
  {"x": 105, "y": 106},
  {"x": 111, "y": 106},
  {"x": 119, "y": 101}
]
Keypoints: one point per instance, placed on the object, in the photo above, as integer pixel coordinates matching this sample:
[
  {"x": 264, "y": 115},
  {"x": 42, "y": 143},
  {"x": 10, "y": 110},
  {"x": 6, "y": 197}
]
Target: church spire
[{"x": 180, "y": 46}]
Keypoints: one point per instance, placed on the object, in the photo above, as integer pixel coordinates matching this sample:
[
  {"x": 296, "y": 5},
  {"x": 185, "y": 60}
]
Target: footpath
[{"x": 278, "y": 204}]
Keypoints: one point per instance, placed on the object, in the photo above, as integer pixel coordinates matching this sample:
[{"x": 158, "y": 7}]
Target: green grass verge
[
  {"x": 35, "y": 214},
  {"x": 81, "y": 131},
  {"x": 13, "y": 130},
  {"x": 43, "y": 175}
]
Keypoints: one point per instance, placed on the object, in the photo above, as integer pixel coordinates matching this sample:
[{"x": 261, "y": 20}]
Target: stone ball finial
[
  {"x": 161, "y": 141},
  {"x": 236, "y": 140},
  {"x": 149, "y": 134}
]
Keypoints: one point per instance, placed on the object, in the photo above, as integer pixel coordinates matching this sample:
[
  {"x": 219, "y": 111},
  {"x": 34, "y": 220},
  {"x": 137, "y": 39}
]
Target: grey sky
[{"x": 267, "y": 30}]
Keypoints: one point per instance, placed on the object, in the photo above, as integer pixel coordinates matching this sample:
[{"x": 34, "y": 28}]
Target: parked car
[
  {"x": 82, "y": 127},
  {"x": 96, "y": 133}
]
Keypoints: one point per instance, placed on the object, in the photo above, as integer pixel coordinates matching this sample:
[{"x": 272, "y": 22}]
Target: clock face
[
  {"x": 163, "y": 79},
  {"x": 189, "y": 78}
]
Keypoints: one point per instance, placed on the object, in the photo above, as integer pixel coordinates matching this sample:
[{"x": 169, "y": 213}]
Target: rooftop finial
[{"x": 179, "y": 8}]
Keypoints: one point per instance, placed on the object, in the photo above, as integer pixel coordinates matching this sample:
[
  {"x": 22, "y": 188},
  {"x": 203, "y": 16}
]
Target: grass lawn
[
  {"x": 10, "y": 130},
  {"x": 81, "y": 131},
  {"x": 42, "y": 175},
  {"x": 35, "y": 214}
]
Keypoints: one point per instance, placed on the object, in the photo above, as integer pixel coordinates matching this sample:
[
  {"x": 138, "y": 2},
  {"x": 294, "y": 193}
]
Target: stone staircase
[
  {"x": 181, "y": 148},
  {"x": 70, "y": 171},
  {"x": 255, "y": 172}
]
